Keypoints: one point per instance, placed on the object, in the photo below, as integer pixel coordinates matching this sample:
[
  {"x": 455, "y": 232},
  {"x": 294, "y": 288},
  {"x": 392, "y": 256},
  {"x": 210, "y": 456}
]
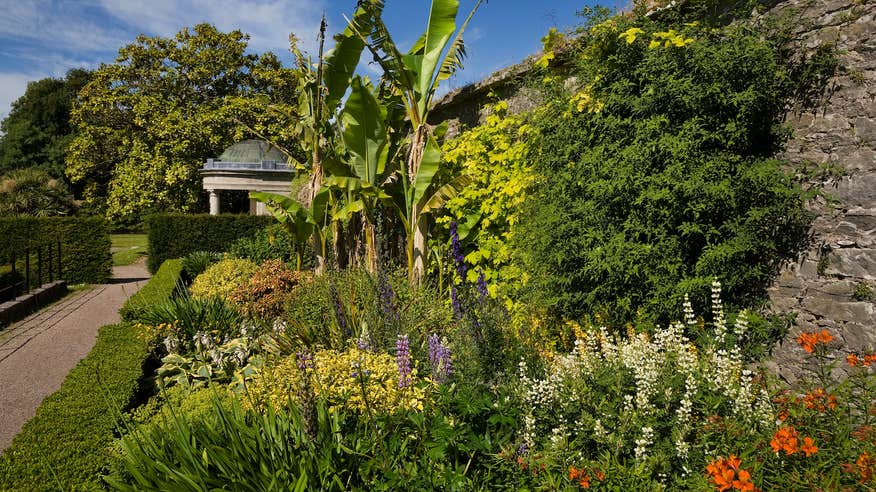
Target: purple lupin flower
[
  {"x": 305, "y": 360},
  {"x": 456, "y": 249},
  {"x": 403, "y": 359},
  {"x": 440, "y": 360},
  {"x": 387, "y": 297},
  {"x": 454, "y": 302},
  {"x": 482, "y": 285},
  {"x": 339, "y": 313}
]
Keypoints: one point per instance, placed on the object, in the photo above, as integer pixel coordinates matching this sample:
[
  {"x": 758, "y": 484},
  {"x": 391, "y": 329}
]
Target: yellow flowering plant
[{"x": 352, "y": 379}]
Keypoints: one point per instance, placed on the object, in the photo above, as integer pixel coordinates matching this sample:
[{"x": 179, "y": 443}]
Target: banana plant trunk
[
  {"x": 370, "y": 244},
  {"x": 418, "y": 267},
  {"x": 313, "y": 187},
  {"x": 417, "y": 241}
]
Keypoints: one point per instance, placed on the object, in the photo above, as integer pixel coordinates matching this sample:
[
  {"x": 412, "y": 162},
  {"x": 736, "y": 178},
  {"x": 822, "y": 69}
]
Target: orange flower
[
  {"x": 852, "y": 360},
  {"x": 785, "y": 439},
  {"x": 869, "y": 359},
  {"x": 743, "y": 483},
  {"x": 723, "y": 475},
  {"x": 582, "y": 477},
  {"x": 815, "y": 400},
  {"x": 865, "y": 464},
  {"x": 809, "y": 446},
  {"x": 810, "y": 340}
]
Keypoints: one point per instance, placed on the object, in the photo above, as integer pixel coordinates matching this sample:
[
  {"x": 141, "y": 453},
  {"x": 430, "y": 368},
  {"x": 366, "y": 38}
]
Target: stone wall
[{"x": 838, "y": 138}]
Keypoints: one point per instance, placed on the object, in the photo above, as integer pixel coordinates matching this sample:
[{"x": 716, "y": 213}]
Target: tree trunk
[
  {"x": 370, "y": 244},
  {"x": 421, "y": 232}
]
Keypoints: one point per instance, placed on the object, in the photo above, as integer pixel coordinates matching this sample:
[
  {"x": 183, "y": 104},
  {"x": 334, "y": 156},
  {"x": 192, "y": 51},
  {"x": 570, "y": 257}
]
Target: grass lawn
[{"x": 127, "y": 248}]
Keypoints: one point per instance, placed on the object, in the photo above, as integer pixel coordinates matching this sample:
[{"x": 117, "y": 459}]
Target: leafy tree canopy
[
  {"x": 148, "y": 121},
  {"x": 37, "y": 129}
]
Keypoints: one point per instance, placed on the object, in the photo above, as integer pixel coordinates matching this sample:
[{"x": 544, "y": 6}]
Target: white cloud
[
  {"x": 268, "y": 22},
  {"x": 12, "y": 86},
  {"x": 60, "y": 26}
]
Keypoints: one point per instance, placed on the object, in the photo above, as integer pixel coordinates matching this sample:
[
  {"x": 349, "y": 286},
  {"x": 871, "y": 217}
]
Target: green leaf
[
  {"x": 430, "y": 164},
  {"x": 343, "y": 59},
  {"x": 442, "y": 23},
  {"x": 365, "y": 132},
  {"x": 445, "y": 193}
]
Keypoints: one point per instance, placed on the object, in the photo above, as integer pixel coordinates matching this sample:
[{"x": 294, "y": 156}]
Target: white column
[{"x": 214, "y": 202}]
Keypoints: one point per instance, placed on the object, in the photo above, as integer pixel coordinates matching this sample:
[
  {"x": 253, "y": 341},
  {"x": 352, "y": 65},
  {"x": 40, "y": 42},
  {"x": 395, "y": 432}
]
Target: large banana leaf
[
  {"x": 294, "y": 217},
  {"x": 445, "y": 193},
  {"x": 442, "y": 24},
  {"x": 456, "y": 54},
  {"x": 429, "y": 167},
  {"x": 342, "y": 60},
  {"x": 335, "y": 167},
  {"x": 353, "y": 186},
  {"x": 365, "y": 137},
  {"x": 349, "y": 209}
]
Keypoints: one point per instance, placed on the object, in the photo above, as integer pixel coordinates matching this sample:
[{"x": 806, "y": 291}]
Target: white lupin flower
[{"x": 643, "y": 442}]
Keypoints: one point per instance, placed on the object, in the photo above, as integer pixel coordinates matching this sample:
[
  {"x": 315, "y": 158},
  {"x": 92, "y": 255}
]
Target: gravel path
[{"x": 37, "y": 353}]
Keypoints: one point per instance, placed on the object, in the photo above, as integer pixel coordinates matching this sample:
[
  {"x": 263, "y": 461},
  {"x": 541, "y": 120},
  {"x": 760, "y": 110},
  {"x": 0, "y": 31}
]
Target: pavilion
[{"x": 250, "y": 165}]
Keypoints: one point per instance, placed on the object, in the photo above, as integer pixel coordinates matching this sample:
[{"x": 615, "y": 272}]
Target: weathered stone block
[{"x": 853, "y": 262}]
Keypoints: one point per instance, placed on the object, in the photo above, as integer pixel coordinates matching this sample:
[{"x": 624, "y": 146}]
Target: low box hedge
[
  {"x": 176, "y": 235},
  {"x": 85, "y": 244},
  {"x": 159, "y": 288},
  {"x": 66, "y": 446}
]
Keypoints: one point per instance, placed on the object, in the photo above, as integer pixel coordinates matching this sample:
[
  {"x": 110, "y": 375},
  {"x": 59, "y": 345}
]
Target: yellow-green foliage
[
  {"x": 181, "y": 400},
  {"x": 222, "y": 278},
  {"x": 495, "y": 156},
  {"x": 339, "y": 377}
]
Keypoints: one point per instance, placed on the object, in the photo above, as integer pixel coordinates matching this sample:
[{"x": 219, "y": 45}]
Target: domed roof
[{"x": 252, "y": 151}]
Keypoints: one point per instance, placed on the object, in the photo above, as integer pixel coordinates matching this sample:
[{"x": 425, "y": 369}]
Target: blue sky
[{"x": 42, "y": 38}]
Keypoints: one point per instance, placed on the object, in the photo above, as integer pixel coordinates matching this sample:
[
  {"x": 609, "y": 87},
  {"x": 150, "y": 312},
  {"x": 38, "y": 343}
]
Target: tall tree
[
  {"x": 37, "y": 129},
  {"x": 147, "y": 122}
]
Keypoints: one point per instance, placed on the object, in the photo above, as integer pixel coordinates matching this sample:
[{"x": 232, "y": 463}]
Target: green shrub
[
  {"x": 336, "y": 307},
  {"x": 182, "y": 317},
  {"x": 269, "y": 243},
  {"x": 656, "y": 175},
  {"x": 195, "y": 263},
  {"x": 159, "y": 288},
  {"x": 65, "y": 446},
  {"x": 177, "y": 235},
  {"x": 85, "y": 244},
  {"x": 222, "y": 278}
]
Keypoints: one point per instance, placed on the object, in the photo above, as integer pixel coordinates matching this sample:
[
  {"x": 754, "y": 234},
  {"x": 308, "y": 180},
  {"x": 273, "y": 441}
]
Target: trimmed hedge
[
  {"x": 85, "y": 244},
  {"x": 176, "y": 235},
  {"x": 159, "y": 288},
  {"x": 66, "y": 446}
]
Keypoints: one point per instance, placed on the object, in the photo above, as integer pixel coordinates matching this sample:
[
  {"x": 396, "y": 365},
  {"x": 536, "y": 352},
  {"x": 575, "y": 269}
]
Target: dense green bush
[
  {"x": 195, "y": 263},
  {"x": 65, "y": 446},
  {"x": 177, "y": 235},
  {"x": 656, "y": 175},
  {"x": 159, "y": 288},
  {"x": 269, "y": 243},
  {"x": 85, "y": 244}
]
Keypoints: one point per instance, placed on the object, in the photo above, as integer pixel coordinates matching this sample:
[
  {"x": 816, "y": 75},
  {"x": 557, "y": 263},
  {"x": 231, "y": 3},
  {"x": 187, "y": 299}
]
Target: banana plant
[
  {"x": 322, "y": 86},
  {"x": 367, "y": 148},
  {"x": 414, "y": 77},
  {"x": 298, "y": 221}
]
